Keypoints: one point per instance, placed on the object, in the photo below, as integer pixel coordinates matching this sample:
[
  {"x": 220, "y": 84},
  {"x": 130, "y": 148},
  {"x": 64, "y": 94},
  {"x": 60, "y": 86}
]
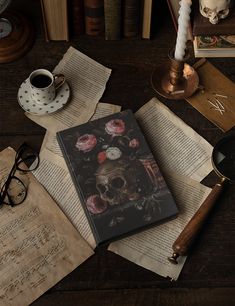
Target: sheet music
[
  {"x": 175, "y": 145},
  {"x": 39, "y": 246},
  {"x": 151, "y": 248},
  {"x": 53, "y": 174},
  {"x": 87, "y": 80}
]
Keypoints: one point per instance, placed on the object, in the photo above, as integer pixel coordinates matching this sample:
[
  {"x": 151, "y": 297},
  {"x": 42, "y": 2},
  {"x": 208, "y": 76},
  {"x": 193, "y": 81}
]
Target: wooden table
[{"x": 208, "y": 277}]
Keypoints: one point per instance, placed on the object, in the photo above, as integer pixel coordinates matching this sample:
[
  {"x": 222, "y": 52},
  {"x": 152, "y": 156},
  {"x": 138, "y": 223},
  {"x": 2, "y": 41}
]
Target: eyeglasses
[{"x": 13, "y": 190}]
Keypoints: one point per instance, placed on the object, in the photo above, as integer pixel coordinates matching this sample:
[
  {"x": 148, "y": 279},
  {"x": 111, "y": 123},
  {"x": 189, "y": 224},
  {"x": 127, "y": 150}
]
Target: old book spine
[
  {"x": 112, "y": 13},
  {"x": 94, "y": 17},
  {"x": 77, "y": 20},
  {"x": 131, "y": 18},
  {"x": 146, "y": 21},
  {"x": 55, "y": 19}
]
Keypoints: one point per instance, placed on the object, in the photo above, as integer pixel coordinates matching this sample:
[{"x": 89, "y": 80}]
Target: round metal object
[
  {"x": 160, "y": 81},
  {"x": 18, "y": 39},
  {"x": 5, "y": 27}
]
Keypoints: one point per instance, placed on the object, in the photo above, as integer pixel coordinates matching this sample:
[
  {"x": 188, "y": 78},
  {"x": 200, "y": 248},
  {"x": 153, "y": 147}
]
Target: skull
[
  {"x": 214, "y": 9},
  {"x": 119, "y": 181}
]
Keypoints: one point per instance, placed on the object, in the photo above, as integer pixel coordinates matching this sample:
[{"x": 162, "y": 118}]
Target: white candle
[{"x": 183, "y": 21}]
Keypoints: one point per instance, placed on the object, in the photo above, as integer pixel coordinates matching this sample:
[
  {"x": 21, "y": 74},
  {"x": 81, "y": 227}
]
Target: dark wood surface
[{"x": 208, "y": 277}]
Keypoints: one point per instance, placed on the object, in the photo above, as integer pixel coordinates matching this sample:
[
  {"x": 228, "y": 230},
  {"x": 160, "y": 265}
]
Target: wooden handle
[{"x": 189, "y": 233}]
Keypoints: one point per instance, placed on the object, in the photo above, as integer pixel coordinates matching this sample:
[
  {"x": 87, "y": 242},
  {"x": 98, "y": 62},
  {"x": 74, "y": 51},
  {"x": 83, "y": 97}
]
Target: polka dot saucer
[{"x": 26, "y": 102}]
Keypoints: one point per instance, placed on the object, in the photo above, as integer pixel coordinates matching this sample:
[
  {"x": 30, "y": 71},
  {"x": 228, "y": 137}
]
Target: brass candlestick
[{"x": 175, "y": 79}]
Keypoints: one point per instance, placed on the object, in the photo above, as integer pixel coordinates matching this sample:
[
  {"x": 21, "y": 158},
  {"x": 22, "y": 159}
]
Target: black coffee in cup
[{"x": 41, "y": 81}]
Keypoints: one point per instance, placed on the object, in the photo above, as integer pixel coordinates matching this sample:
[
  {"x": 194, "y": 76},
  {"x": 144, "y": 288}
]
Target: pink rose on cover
[
  {"x": 95, "y": 204},
  {"x": 86, "y": 142},
  {"x": 115, "y": 127},
  {"x": 134, "y": 143}
]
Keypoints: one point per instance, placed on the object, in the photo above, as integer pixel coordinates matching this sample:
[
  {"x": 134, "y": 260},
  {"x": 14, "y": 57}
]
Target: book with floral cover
[
  {"x": 117, "y": 179},
  {"x": 214, "y": 46}
]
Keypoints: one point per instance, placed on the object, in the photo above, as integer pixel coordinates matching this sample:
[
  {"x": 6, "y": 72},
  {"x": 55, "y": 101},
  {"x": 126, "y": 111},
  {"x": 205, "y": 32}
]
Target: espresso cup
[{"x": 44, "y": 84}]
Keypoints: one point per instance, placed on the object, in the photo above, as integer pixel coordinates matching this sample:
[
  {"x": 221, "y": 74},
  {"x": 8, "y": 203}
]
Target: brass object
[
  {"x": 173, "y": 258},
  {"x": 175, "y": 79}
]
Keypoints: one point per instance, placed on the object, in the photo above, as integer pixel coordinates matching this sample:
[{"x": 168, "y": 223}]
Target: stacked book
[{"x": 213, "y": 40}]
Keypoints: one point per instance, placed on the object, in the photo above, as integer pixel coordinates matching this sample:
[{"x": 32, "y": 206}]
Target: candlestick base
[{"x": 184, "y": 86}]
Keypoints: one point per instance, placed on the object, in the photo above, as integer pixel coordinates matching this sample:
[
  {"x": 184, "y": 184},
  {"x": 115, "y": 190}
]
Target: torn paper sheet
[
  {"x": 175, "y": 145},
  {"x": 87, "y": 80}
]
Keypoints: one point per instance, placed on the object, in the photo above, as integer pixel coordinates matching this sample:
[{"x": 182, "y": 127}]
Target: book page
[
  {"x": 87, "y": 80},
  {"x": 175, "y": 145},
  {"x": 53, "y": 174},
  {"x": 39, "y": 245},
  {"x": 151, "y": 248}
]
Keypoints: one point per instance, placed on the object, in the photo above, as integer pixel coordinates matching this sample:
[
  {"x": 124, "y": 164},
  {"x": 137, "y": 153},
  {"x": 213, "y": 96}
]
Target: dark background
[{"x": 208, "y": 277}]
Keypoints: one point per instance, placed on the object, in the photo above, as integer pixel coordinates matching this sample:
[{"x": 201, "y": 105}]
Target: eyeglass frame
[{"x": 11, "y": 175}]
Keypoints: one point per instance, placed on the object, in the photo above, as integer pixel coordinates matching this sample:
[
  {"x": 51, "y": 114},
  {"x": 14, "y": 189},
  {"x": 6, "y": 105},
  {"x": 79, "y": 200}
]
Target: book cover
[
  {"x": 202, "y": 25},
  {"x": 112, "y": 17},
  {"x": 131, "y": 18},
  {"x": 55, "y": 19},
  {"x": 94, "y": 17},
  {"x": 117, "y": 179},
  {"x": 76, "y": 17},
  {"x": 147, "y": 18},
  {"x": 214, "y": 46}
]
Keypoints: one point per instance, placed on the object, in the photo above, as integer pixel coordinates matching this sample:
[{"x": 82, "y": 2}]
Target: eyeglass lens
[{"x": 13, "y": 189}]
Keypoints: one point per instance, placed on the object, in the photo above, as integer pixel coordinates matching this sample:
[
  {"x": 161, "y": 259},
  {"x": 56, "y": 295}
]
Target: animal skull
[
  {"x": 214, "y": 9},
  {"x": 120, "y": 180}
]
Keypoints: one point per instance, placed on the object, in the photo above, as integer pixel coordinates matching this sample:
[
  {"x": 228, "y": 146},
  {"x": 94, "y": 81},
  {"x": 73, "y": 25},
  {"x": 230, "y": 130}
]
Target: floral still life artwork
[
  {"x": 211, "y": 42},
  {"x": 117, "y": 179}
]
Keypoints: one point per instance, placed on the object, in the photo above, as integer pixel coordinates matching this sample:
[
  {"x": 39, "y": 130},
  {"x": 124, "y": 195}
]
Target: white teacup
[{"x": 44, "y": 84}]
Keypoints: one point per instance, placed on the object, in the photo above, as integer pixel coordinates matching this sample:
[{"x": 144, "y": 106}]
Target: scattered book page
[
  {"x": 175, "y": 145},
  {"x": 53, "y": 174},
  {"x": 39, "y": 246},
  {"x": 87, "y": 80},
  {"x": 150, "y": 249},
  {"x": 105, "y": 109},
  {"x": 184, "y": 158},
  {"x": 216, "y": 99}
]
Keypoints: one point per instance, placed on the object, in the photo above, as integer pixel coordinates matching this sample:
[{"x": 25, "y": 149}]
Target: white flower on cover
[{"x": 113, "y": 153}]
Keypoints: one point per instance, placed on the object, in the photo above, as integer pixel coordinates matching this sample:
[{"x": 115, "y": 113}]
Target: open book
[{"x": 184, "y": 157}]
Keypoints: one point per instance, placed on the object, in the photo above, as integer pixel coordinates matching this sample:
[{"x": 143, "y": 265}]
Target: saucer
[{"x": 26, "y": 102}]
